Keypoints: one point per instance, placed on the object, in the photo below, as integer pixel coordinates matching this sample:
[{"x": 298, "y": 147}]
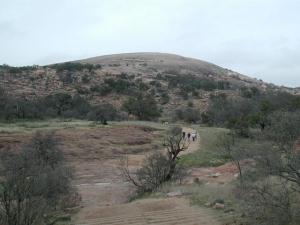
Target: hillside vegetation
[{"x": 139, "y": 85}]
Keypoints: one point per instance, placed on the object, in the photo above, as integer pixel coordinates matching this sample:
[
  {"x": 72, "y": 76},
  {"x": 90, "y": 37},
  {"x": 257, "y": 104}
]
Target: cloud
[{"x": 258, "y": 38}]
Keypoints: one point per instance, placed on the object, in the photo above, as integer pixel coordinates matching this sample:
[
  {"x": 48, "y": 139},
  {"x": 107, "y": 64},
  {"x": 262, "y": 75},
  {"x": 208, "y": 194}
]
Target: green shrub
[
  {"x": 103, "y": 113},
  {"x": 187, "y": 114},
  {"x": 71, "y": 66},
  {"x": 142, "y": 106}
]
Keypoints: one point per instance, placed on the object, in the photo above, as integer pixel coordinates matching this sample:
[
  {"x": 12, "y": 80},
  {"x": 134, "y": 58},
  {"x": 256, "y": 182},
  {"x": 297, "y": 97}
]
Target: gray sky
[{"x": 259, "y": 38}]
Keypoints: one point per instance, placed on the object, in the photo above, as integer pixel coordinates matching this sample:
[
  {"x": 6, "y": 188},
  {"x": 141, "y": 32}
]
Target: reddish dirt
[
  {"x": 220, "y": 175},
  {"x": 95, "y": 154}
]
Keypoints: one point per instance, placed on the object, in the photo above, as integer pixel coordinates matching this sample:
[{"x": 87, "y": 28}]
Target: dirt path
[
  {"x": 193, "y": 145},
  {"x": 104, "y": 200},
  {"x": 169, "y": 211}
]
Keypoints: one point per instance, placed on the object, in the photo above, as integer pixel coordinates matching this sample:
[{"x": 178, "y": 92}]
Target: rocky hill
[
  {"x": 149, "y": 64},
  {"x": 173, "y": 80}
]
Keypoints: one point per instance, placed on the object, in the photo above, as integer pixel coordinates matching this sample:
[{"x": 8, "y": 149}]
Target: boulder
[{"x": 219, "y": 206}]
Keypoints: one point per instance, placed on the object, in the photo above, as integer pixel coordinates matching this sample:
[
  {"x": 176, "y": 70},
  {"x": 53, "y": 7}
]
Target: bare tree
[
  {"x": 158, "y": 167},
  {"x": 267, "y": 202},
  {"x": 34, "y": 182},
  {"x": 230, "y": 150},
  {"x": 271, "y": 187},
  {"x": 175, "y": 143},
  {"x": 152, "y": 174}
]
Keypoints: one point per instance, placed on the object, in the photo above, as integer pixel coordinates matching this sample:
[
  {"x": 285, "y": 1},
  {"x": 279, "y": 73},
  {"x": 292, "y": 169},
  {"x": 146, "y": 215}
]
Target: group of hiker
[{"x": 189, "y": 136}]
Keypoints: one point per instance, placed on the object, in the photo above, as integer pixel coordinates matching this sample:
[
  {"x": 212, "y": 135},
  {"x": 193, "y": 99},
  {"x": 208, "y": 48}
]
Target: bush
[
  {"x": 55, "y": 105},
  {"x": 234, "y": 113},
  {"x": 60, "y": 102},
  {"x": 267, "y": 202},
  {"x": 188, "y": 114},
  {"x": 154, "y": 172},
  {"x": 270, "y": 188},
  {"x": 241, "y": 113},
  {"x": 71, "y": 66},
  {"x": 121, "y": 85},
  {"x": 158, "y": 168},
  {"x": 103, "y": 113},
  {"x": 188, "y": 83},
  {"x": 101, "y": 89},
  {"x": 19, "y": 108},
  {"x": 165, "y": 98},
  {"x": 67, "y": 78},
  {"x": 85, "y": 79},
  {"x": 65, "y": 105},
  {"x": 16, "y": 70},
  {"x": 35, "y": 181},
  {"x": 142, "y": 106}
]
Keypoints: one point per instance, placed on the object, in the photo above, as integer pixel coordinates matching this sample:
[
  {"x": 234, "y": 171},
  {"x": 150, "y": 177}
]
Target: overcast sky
[{"x": 259, "y": 38}]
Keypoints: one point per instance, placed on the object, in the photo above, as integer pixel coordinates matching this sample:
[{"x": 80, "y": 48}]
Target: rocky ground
[{"x": 96, "y": 155}]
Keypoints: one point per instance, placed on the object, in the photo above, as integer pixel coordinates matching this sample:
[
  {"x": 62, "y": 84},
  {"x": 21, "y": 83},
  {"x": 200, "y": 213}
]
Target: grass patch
[
  {"x": 30, "y": 125},
  {"x": 208, "y": 154},
  {"x": 50, "y": 124},
  {"x": 155, "y": 125}
]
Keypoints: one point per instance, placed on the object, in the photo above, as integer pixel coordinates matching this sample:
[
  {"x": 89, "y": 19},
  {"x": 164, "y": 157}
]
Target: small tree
[
  {"x": 174, "y": 143},
  {"x": 151, "y": 175},
  {"x": 142, "y": 106},
  {"x": 159, "y": 168},
  {"x": 35, "y": 182},
  {"x": 103, "y": 113},
  {"x": 60, "y": 102},
  {"x": 271, "y": 189},
  {"x": 230, "y": 149}
]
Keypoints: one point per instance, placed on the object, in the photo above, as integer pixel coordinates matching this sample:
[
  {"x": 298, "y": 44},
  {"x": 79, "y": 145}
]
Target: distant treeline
[
  {"x": 15, "y": 70},
  {"x": 123, "y": 84},
  {"x": 65, "y": 105},
  {"x": 251, "y": 109},
  {"x": 72, "y": 66},
  {"x": 59, "y": 67},
  {"x": 192, "y": 84}
]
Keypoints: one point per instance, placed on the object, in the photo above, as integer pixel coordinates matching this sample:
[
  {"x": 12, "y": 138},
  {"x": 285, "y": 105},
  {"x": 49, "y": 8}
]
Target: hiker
[
  {"x": 183, "y": 135},
  {"x": 188, "y": 136},
  {"x": 194, "y": 136}
]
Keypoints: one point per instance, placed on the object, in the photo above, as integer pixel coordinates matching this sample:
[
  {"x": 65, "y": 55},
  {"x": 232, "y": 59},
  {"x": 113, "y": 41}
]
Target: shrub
[
  {"x": 158, "y": 168},
  {"x": 35, "y": 181},
  {"x": 101, "y": 89},
  {"x": 16, "y": 70},
  {"x": 188, "y": 83},
  {"x": 85, "y": 79},
  {"x": 67, "y": 78},
  {"x": 103, "y": 113},
  {"x": 122, "y": 86},
  {"x": 142, "y": 106},
  {"x": 270, "y": 189},
  {"x": 60, "y": 102},
  {"x": 165, "y": 98},
  {"x": 187, "y": 114},
  {"x": 19, "y": 108},
  {"x": 71, "y": 66}
]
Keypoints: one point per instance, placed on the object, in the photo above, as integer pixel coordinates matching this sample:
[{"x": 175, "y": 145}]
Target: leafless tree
[
  {"x": 158, "y": 167},
  {"x": 230, "y": 150},
  {"x": 33, "y": 182},
  {"x": 174, "y": 143},
  {"x": 271, "y": 188}
]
